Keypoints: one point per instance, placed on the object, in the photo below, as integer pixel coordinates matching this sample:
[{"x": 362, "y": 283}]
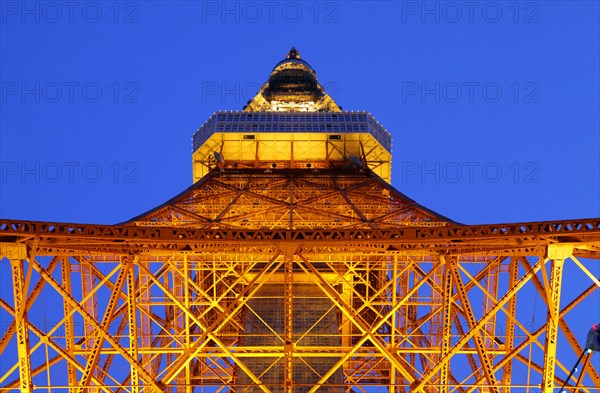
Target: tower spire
[
  {"x": 292, "y": 87},
  {"x": 293, "y": 54}
]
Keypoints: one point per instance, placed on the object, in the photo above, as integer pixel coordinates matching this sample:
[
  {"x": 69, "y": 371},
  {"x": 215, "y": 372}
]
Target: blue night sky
[{"x": 493, "y": 107}]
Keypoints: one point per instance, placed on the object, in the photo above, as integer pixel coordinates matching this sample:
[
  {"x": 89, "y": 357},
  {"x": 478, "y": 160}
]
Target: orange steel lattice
[{"x": 297, "y": 271}]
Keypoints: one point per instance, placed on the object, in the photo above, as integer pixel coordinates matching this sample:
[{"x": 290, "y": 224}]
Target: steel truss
[{"x": 422, "y": 304}]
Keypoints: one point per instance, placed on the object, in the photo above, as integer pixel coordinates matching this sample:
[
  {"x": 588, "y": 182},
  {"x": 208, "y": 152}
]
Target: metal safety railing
[{"x": 264, "y": 122}]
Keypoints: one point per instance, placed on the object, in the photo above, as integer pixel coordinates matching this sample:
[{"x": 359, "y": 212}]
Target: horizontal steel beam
[{"x": 584, "y": 234}]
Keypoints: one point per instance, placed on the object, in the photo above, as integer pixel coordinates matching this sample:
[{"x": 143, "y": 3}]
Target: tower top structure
[
  {"x": 292, "y": 87},
  {"x": 292, "y": 123}
]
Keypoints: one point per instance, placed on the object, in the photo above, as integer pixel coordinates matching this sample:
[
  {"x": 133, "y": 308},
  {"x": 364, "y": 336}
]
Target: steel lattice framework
[{"x": 297, "y": 278}]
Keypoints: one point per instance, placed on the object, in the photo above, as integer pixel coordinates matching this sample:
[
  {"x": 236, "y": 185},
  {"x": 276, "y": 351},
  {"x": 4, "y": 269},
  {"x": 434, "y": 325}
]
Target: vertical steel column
[
  {"x": 186, "y": 302},
  {"x": 17, "y": 253},
  {"x": 178, "y": 281},
  {"x": 557, "y": 253},
  {"x": 288, "y": 321},
  {"x": 69, "y": 331},
  {"x": 436, "y": 311},
  {"x": 448, "y": 265},
  {"x": 511, "y": 317},
  {"x": 491, "y": 284},
  {"x": 133, "y": 327},
  {"x": 145, "y": 312},
  {"x": 394, "y": 345},
  {"x": 88, "y": 282}
]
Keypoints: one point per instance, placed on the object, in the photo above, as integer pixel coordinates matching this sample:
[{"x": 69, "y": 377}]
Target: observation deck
[
  {"x": 292, "y": 123},
  {"x": 291, "y": 140}
]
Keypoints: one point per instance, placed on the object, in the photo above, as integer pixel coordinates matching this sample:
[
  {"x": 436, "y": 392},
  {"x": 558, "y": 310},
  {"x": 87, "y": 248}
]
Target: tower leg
[
  {"x": 17, "y": 253},
  {"x": 558, "y": 253}
]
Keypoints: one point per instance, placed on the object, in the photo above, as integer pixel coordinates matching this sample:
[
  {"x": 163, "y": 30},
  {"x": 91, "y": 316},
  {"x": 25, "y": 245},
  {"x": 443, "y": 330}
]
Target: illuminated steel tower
[{"x": 292, "y": 265}]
